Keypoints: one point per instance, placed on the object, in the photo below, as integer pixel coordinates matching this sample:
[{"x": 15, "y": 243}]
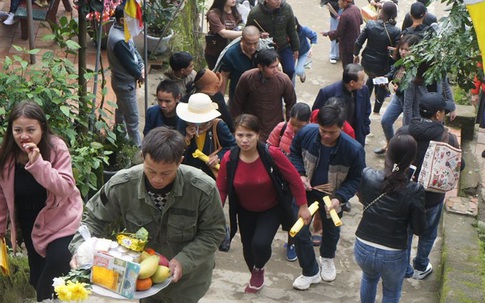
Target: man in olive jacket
[
  {"x": 179, "y": 206},
  {"x": 275, "y": 19}
]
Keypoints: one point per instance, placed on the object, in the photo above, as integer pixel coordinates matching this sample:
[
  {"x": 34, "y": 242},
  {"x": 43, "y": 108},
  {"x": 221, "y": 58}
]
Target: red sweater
[{"x": 253, "y": 185}]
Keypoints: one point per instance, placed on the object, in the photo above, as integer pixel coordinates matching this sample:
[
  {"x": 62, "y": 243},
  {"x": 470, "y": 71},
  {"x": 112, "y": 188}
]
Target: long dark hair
[
  {"x": 219, "y": 4},
  {"x": 410, "y": 40},
  {"x": 400, "y": 154},
  {"x": 9, "y": 147}
]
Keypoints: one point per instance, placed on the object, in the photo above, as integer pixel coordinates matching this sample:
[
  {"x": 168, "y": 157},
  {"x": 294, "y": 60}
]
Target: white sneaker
[
  {"x": 304, "y": 282},
  {"x": 420, "y": 275},
  {"x": 10, "y": 19},
  {"x": 333, "y": 61},
  {"x": 328, "y": 271}
]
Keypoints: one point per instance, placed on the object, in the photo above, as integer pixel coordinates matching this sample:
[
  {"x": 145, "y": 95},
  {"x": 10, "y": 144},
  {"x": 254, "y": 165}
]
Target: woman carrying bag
[
  {"x": 392, "y": 203},
  {"x": 381, "y": 36},
  {"x": 247, "y": 176},
  {"x": 225, "y": 23}
]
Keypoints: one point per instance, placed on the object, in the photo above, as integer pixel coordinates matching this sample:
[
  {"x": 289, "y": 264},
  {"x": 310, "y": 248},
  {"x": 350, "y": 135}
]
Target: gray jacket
[{"x": 190, "y": 228}]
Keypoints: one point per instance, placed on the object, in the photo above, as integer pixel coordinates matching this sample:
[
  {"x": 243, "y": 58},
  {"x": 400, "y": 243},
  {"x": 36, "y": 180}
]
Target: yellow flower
[
  {"x": 78, "y": 291},
  {"x": 63, "y": 292}
]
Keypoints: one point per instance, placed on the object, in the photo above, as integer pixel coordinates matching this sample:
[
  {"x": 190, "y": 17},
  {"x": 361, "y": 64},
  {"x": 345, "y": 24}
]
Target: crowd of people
[{"x": 268, "y": 155}]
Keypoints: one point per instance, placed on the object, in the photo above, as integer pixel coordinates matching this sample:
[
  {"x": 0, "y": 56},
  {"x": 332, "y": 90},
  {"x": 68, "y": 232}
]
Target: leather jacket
[
  {"x": 386, "y": 222},
  {"x": 375, "y": 57}
]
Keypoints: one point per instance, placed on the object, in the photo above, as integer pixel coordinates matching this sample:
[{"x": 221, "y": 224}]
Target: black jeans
[
  {"x": 380, "y": 93},
  {"x": 43, "y": 270},
  {"x": 258, "y": 230}
]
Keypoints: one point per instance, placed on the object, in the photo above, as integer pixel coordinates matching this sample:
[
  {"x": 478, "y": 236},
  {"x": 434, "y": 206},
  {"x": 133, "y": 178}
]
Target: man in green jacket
[
  {"x": 178, "y": 205},
  {"x": 275, "y": 19}
]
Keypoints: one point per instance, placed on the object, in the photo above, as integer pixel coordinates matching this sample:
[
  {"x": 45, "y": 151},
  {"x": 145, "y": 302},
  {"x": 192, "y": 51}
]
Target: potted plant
[
  {"x": 158, "y": 15},
  {"x": 121, "y": 152}
]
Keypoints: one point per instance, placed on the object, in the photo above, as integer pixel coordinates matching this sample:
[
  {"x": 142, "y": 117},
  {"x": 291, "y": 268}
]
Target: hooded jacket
[
  {"x": 279, "y": 23},
  {"x": 423, "y": 131}
]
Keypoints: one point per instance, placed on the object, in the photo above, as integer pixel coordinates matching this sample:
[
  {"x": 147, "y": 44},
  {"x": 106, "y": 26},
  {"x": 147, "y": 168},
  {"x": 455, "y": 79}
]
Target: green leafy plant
[
  {"x": 157, "y": 16},
  {"x": 444, "y": 52}
]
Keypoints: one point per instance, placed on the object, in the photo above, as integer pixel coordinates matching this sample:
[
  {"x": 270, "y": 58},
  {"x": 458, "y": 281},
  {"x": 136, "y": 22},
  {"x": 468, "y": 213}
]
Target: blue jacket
[
  {"x": 155, "y": 118},
  {"x": 347, "y": 160},
  {"x": 305, "y": 34},
  {"x": 362, "y": 107}
]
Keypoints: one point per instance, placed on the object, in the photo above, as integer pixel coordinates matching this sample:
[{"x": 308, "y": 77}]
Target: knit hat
[
  {"x": 210, "y": 82},
  {"x": 200, "y": 109},
  {"x": 418, "y": 10},
  {"x": 433, "y": 102}
]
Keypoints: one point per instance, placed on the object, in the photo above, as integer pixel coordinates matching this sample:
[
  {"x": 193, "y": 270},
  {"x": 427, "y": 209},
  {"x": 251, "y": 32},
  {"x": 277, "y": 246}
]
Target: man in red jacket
[{"x": 348, "y": 30}]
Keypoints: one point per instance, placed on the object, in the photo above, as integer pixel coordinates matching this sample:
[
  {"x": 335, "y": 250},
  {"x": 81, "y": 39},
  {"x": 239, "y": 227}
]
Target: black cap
[
  {"x": 431, "y": 103},
  {"x": 418, "y": 10}
]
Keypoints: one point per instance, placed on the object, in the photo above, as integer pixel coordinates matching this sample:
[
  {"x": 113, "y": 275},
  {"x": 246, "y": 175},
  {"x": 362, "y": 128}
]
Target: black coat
[{"x": 386, "y": 221}]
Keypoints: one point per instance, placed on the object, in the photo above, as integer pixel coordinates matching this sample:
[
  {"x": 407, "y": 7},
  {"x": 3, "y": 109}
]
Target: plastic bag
[
  {"x": 85, "y": 251},
  {"x": 4, "y": 266}
]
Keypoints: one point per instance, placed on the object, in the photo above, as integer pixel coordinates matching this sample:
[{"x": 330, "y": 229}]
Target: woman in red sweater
[{"x": 244, "y": 176}]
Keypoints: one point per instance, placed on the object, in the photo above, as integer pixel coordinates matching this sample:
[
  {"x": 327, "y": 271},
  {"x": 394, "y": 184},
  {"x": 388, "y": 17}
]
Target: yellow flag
[
  {"x": 476, "y": 9},
  {"x": 133, "y": 19}
]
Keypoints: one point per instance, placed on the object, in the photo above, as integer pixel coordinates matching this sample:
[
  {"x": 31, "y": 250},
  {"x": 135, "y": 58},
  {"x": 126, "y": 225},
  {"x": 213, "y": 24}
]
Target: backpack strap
[
  {"x": 215, "y": 137},
  {"x": 283, "y": 130}
]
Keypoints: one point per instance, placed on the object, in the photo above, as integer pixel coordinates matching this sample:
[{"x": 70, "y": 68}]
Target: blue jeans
[
  {"x": 390, "y": 116},
  {"x": 287, "y": 61},
  {"x": 426, "y": 240},
  {"x": 334, "y": 53},
  {"x": 127, "y": 111},
  {"x": 300, "y": 66},
  {"x": 376, "y": 264},
  {"x": 304, "y": 244}
]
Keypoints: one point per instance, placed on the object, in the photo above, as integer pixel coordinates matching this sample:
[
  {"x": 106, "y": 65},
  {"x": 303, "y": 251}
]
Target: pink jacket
[
  {"x": 284, "y": 142},
  {"x": 62, "y": 214}
]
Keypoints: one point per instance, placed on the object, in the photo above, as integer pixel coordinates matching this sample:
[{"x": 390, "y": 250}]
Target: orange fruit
[
  {"x": 144, "y": 284},
  {"x": 151, "y": 251}
]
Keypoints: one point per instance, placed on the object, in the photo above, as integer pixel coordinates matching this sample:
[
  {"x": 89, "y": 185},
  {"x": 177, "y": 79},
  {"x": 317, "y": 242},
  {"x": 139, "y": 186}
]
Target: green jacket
[
  {"x": 190, "y": 228},
  {"x": 279, "y": 23}
]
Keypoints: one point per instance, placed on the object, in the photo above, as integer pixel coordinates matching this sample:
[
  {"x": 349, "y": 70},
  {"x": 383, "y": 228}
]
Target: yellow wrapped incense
[
  {"x": 203, "y": 157},
  {"x": 129, "y": 241},
  {"x": 299, "y": 223},
  {"x": 333, "y": 214}
]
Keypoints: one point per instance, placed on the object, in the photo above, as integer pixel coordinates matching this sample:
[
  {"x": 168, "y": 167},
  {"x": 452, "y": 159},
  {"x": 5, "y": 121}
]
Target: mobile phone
[{"x": 411, "y": 171}]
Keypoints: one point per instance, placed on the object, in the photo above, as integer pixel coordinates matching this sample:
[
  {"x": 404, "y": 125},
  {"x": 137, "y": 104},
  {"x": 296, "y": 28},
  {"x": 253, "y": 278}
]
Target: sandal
[{"x": 317, "y": 240}]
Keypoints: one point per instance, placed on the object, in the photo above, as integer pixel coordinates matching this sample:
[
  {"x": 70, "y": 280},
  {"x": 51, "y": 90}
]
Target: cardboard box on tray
[{"x": 114, "y": 273}]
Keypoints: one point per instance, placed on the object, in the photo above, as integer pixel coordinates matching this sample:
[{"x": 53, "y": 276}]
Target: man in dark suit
[{"x": 352, "y": 88}]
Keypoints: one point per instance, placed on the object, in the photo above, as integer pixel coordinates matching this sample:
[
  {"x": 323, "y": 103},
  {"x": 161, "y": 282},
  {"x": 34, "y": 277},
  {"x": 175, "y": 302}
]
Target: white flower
[{"x": 58, "y": 282}]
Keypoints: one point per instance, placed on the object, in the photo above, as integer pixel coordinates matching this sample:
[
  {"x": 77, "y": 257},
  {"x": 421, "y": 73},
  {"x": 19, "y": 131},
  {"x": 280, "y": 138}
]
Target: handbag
[
  {"x": 4, "y": 266},
  {"x": 440, "y": 171},
  {"x": 214, "y": 44}
]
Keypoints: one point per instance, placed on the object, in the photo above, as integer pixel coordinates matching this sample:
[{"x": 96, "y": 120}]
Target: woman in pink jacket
[
  {"x": 38, "y": 194},
  {"x": 281, "y": 136}
]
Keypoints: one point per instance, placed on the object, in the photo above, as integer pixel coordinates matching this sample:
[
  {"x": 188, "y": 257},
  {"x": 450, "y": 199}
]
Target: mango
[
  {"x": 148, "y": 267},
  {"x": 144, "y": 255},
  {"x": 162, "y": 274}
]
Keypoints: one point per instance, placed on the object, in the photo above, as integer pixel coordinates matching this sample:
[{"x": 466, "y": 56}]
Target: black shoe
[
  {"x": 483, "y": 153},
  {"x": 347, "y": 207},
  {"x": 380, "y": 151}
]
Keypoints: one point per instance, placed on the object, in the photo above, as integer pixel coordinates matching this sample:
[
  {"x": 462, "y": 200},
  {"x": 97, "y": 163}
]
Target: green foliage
[
  {"x": 62, "y": 33},
  {"x": 157, "y": 15},
  {"x": 452, "y": 52},
  {"x": 16, "y": 287}
]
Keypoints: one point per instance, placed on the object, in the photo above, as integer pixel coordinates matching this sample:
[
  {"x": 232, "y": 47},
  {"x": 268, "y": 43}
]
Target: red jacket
[{"x": 61, "y": 216}]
